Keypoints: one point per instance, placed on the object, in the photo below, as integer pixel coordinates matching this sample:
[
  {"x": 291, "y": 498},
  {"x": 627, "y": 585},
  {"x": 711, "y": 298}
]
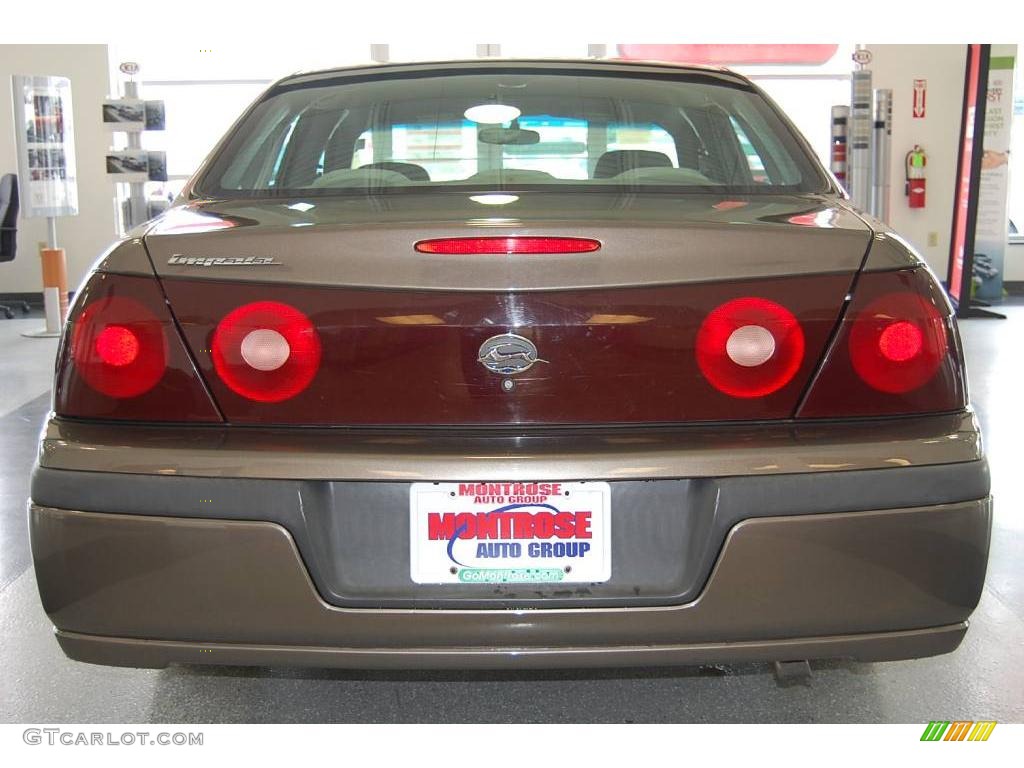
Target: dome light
[{"x": 492, "y": 114}]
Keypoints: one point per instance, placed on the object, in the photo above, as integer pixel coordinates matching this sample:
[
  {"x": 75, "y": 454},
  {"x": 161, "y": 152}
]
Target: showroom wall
[
  {"x": 84, "y": 236},
  {"x": 174, "y": 72},
  {"x": 896, "y": 67},
  {"x": 1013, "y": 266}
]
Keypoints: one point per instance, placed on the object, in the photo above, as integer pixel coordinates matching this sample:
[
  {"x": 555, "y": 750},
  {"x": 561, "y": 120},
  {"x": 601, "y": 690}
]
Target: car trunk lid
[{"x": 409, "y": 338}]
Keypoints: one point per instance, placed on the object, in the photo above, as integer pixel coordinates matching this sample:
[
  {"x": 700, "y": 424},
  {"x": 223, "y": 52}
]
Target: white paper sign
[{"x": 46, "y": 146}]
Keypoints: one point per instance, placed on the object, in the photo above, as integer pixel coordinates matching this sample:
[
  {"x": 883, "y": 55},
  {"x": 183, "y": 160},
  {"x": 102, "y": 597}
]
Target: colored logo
[
  {"x": 862, "y": 56},
  {"x": 960, "y": 730},
  {"x": 508, "y": 353},
  {"x": 510, "y": 522},
  {"x": 528, "y": 528},
  {"x": 510, "y": 575}
]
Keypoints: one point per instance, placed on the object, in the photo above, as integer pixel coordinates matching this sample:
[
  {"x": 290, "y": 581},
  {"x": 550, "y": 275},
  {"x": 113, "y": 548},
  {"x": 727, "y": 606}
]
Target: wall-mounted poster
[
  {"x": 156, "y": 119},
  {"x": 46, "y": 146},
  {"x": 128, "y": 165},
  {"x": 991, "y": 232},
  {"x": 157, "y": 162},
  {"x": 124, "y": 114}
]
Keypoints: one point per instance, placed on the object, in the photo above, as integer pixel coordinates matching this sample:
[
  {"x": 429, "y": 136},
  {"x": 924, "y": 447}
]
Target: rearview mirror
[{"x": 499, "y": 135}]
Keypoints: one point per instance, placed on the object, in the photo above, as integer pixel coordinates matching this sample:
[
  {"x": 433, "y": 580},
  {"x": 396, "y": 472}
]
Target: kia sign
[{"x": 862, "y": 57}]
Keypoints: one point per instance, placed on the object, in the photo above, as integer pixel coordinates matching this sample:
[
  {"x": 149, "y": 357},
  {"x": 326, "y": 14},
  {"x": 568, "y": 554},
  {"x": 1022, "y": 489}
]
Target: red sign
[
  {"x": 729, "y": 54},
  {"x": 962, "y": 195},
  {"x": 920, "y": 96}
]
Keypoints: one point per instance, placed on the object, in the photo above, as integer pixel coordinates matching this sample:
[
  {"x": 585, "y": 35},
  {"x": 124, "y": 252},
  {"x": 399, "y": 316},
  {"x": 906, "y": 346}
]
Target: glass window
[
  {"x": 560, "y": 150},
  {"x": 198, "y": 114},
  {"x": 511, "y": 127},
  {"x": 757, "y": 169},
  {"x": 445, "y": 151},
  {"x": 649, "y": 137}
]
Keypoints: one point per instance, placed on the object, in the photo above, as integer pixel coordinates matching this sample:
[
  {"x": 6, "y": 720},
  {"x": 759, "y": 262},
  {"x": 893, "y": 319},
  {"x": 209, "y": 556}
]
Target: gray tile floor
[{"x": 982, "y": 680}]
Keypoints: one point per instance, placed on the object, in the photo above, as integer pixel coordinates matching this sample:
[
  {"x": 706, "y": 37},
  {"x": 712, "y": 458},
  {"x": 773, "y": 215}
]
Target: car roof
[{"x": 598, "y": 65}]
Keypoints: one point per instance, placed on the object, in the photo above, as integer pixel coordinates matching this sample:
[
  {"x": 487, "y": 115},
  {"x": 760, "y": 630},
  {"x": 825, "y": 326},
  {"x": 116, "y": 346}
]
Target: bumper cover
[
  {"x": 353, "y": 537},
  {"x": 144, "y": 590},
  {"x": 864, "y": 539}
]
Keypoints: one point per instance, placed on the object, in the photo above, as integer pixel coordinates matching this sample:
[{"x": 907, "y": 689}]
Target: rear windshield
[{"x": 514, "y": 129}]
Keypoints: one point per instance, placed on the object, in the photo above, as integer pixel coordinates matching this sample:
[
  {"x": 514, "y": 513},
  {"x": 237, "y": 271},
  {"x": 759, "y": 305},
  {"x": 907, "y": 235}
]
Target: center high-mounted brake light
[{"x": 507, "y": 245}]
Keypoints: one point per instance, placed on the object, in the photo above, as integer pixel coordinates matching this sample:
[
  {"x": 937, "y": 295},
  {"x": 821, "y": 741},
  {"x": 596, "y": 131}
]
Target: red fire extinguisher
[{"x": 915, "y": 190}]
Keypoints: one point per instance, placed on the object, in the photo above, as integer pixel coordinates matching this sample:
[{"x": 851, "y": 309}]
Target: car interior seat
[
  {"x": 617, "y": 161},
  {"x": 411, "y": 171}
]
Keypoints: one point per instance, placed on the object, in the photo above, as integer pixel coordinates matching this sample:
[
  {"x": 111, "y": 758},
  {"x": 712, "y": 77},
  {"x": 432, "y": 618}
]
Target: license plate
[{"x": 507, "y": 533}]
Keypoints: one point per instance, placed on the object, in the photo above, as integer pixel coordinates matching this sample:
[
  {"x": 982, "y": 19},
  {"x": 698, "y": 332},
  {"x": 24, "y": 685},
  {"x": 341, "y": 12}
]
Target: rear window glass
[{"x": 511, "y": 129}]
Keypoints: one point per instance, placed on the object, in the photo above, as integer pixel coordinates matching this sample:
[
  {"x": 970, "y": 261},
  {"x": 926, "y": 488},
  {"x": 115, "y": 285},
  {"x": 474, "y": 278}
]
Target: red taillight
[
  {"x": 122, "y": 357},
  {"x": 507, "y": 245},
  {"x": 897, "y": 342},
  {"x": 750, "y": 347},
  {"x": 118, "y": 347},
  {"x": 266, "y": 351},
  {"x": 896, "y": 352},
  {"x": 900, "y": 341}
]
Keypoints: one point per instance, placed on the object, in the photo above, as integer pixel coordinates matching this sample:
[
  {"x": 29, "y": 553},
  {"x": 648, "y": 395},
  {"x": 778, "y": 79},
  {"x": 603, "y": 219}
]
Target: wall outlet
[{"x": 933, "y": 239}]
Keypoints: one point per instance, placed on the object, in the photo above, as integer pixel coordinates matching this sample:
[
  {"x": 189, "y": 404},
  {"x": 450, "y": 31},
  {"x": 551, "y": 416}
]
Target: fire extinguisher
[{"x": 915, "y": 190}]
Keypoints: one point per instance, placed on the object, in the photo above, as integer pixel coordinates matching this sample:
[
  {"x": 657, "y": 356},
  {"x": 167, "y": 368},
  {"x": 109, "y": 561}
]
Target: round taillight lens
[
  {"x": 266, "y": 351},
  {"x": 118, "y": 347},
  {"x": 750, "y": 347},
  {"x": 901, "y": 341},
  {"x": 898, "y": 342}
]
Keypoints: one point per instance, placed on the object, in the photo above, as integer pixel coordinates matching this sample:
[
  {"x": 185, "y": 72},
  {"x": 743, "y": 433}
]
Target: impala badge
[
  {"x": 508, "y": 354},
  {"x": 178, "y": 260}
]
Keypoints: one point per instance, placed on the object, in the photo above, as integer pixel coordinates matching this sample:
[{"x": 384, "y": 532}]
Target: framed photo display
[{"x": 46, "y": 145}]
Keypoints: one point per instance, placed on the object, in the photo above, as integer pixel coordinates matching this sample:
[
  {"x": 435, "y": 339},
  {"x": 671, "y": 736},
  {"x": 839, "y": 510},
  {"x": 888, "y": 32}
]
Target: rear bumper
[
  {"x": 879, "y": 646},
  {"x": 864, "y": 539},
  {"x": 666, "y": 535},
  {"x": 142, "y": 590}
]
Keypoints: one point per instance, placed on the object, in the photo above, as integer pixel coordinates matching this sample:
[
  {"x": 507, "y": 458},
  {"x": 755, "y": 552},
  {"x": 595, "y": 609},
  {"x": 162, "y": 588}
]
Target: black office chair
[{"x": 9, "y": 229}]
